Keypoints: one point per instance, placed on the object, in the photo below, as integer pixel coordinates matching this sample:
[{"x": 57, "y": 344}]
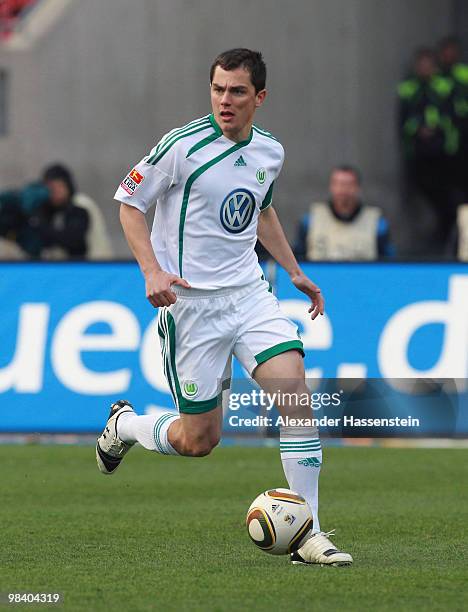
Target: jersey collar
[{"x": 219, "y": 132}]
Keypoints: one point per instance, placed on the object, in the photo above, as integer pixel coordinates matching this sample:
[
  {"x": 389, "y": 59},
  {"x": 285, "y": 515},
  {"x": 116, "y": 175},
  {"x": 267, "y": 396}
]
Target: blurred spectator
[
  {"x": 49, "y": 220},
  {"x": 62, "y": 226},
  {"x": 449, "y": 52},
  {"x": 97, "y": 239},
  {"x": 64, "y": 198},
  {"x": 344, "y": 227},
  {"x": 18, "y": 239},
  {"x": 459, "y": 242},
  {"x": 452, "y": 68},
  {"x": 430, "y": 139}
]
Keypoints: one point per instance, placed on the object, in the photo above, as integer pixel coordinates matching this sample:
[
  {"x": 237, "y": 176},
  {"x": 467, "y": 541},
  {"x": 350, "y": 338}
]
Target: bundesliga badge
[{"x": 131, "y": 181}]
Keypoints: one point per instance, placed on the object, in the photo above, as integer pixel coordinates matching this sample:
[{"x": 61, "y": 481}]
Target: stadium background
[
  {"x": 96, "y": 84},
  {"x": 94, "y": 90},
  {"x": 101, "y": 86}
]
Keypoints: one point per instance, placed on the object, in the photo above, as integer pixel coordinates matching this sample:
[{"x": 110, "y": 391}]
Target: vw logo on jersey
[{"x": 237, "y": 210}]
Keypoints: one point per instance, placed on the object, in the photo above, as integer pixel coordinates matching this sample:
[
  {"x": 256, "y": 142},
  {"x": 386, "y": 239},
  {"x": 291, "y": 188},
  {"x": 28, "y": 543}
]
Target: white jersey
[{"x": 209, "y": 192}]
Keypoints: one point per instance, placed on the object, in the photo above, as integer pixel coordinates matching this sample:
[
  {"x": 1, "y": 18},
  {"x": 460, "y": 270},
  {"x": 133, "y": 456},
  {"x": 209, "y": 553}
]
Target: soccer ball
[{"x": 278, "y": 521}]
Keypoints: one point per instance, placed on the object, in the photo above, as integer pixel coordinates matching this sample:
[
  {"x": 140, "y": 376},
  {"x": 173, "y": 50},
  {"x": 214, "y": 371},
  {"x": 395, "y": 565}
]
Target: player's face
[
  {"x": 234, "y": 101},
  {"x": 344, "y": 190}
]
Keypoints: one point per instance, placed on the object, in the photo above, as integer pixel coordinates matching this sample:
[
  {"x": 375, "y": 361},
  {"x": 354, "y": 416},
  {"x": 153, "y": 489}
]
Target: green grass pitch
[{"x": 167, "y": 533}]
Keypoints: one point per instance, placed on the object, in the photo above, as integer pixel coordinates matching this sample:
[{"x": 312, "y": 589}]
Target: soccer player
[{"x": 212, "y": 181}]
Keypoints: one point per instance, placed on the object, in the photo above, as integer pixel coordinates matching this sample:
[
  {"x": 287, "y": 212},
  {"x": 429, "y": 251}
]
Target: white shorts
[{"x": 201, "y": 332}]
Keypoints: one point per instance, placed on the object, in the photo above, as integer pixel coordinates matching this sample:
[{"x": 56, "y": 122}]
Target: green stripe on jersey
[
  {"x": 188, "y": 186},
  {"x": 270, "y": 288},
  {"x": 209, "y": 139},
  {"x": 167, "y": 146},
  {"x": 165, "y": 139},
  {"x": 188, "y": 126},
  {"x": 264, "y": 132},
  {"x": 203, "y": 143},
  {"x": 268, "y": 198},
  {"x": 216, "y": 127}
]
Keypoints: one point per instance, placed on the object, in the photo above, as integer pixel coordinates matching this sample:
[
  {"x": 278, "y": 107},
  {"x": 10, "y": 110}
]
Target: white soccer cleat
[
  {"x": 319, "y": 550},
  {"x": 110, "y": 449}
]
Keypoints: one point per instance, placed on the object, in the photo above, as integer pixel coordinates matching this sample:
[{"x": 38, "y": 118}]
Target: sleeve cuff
[{"x": 124, "y": 199}]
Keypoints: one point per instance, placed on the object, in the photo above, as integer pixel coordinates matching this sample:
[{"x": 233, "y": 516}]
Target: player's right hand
[{"x": 158, "y": 287}]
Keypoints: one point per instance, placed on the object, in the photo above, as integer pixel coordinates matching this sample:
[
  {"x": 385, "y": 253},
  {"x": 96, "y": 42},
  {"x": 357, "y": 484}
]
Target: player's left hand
[{"x": 304, "y": 284}]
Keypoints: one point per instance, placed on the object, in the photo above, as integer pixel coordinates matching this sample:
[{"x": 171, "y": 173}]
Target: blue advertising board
[
  {"x": 76, "y": 336},
  {"x": 394, "y": 320}
]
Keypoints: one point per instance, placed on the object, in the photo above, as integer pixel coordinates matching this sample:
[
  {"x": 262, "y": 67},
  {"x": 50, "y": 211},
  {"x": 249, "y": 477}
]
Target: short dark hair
[
  {"x": 250, "y": 60},
  {"x": 350, "y": 169}
]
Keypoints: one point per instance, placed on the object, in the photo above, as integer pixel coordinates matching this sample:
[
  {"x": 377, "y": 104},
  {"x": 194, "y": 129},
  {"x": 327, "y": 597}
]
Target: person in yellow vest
[
  {"x": 459, "y": 243},
  {"x": 343, "y": 228}
]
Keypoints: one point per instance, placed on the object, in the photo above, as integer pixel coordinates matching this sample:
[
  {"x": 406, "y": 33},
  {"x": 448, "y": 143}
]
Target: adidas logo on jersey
[{"x": 240, "y": 162}]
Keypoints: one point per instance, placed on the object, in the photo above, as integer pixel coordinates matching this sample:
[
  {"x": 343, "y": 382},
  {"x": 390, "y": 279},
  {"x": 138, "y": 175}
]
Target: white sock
[
  {"x": 301, "y": 456},
  {"x": 149, "y": 430}
]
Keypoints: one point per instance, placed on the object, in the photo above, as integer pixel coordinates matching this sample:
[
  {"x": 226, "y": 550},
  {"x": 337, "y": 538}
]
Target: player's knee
[
  {"x": 197, "y": 449},
  {"x": 294, "y": 398},
  {"x": 200, "y": 446},
  {"x": 214, "y": 440},
  {"x": 291, "y": 391}
]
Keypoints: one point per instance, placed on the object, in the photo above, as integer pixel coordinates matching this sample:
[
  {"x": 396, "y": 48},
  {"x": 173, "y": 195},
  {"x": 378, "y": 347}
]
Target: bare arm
[
  {"x": 158, "y": 282},
  {"x": 271, "y": 235}
]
